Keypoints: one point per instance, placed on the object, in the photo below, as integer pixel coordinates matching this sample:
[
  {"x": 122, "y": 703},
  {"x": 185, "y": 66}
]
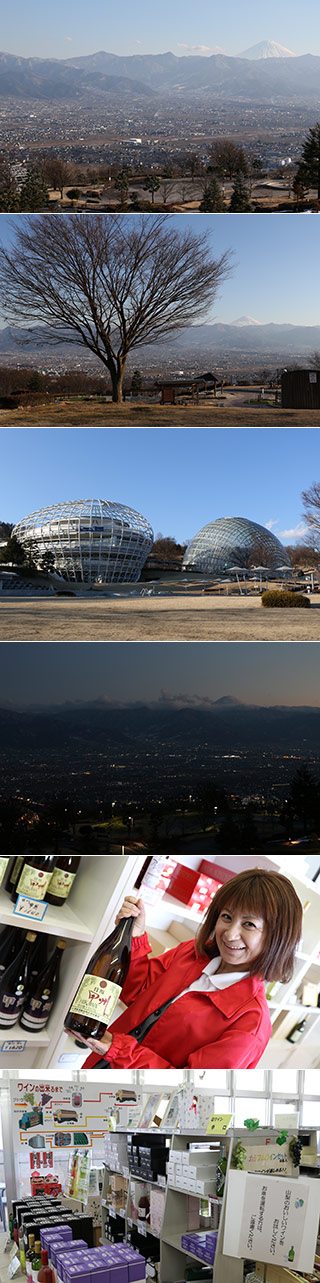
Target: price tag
[
  {"x": 218, "y": 1124},
  {"x": 122, "y": 1211},
  {"x": 28, "y": 908},
  {"x": 14, "y": 1267},
  {"x": 162, "y": 1181},
  {"x": 130, "y": 1222},
  {"x": 125, "y": 1172},
  {"x": 10, "y": 1045},
  {"x": 142, "y": 1228},
  {"x": 112, "y": 1212}
]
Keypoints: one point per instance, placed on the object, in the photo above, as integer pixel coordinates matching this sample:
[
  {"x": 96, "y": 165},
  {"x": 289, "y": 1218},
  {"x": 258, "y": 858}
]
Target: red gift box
[{"x": 214, "y": 870}]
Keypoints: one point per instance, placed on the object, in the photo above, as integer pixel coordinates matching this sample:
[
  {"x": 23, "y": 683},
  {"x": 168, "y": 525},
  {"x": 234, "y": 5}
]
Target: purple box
[
  {"x": 61, "y": 1250},
  {"x": 137, "y": 1269},
  {"x": 57, "y": 1232}
]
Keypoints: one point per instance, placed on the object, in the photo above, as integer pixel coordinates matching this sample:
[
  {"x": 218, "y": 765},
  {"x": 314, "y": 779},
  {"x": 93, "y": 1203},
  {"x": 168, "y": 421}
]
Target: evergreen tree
[
  {"x": 308, "y": 172},
  {"x": 47, "y": 562},
  {"x": 34, "y": 193},
  {"x": 136, "y": 383},
  {"x": 151, "y": 184},
  {"x": 239, "y": 203},
  {"x": 13, "y": 552},
  {"x": 212, "y": 200},
  {"x": 9, "y": 199}
]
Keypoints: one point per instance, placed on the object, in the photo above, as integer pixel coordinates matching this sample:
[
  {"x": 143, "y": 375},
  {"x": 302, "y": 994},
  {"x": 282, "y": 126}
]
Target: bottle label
[
  {"x": 35, "y": 1272},
  {"x": 33, "y": 882},
  {"x": 96, "y": 998},
  {"x": 10, "y": 1007},
  {"x": 37, "y": 1012},
  {"x": 16, "y": 870},
  {"x": 61, "y": 883},
  {"x": 4, "y": 861}
]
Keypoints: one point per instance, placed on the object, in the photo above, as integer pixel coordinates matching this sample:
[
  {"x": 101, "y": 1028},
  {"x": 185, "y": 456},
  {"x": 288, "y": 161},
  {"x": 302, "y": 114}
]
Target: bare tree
[
  {"x": 111, "y": 282},
  {"x": 311, "y": 514}
]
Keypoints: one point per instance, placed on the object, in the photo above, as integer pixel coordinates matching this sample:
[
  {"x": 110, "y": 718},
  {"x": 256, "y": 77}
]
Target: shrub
[{"x": 285, "y": 599}]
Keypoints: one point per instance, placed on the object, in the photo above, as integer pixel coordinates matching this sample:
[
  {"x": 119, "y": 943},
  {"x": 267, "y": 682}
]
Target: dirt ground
[
  {"x": 65, "y": 414},
  {"x": 156, "y": 619}
]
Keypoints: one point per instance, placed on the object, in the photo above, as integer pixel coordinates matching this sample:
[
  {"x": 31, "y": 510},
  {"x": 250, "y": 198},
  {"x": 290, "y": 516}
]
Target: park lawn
[{"x": 65, "y": 413}]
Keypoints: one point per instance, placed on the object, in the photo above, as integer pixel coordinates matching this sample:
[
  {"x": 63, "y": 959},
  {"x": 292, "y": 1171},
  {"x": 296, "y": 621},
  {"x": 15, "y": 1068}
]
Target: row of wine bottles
[
  {"x": 43, "y": 877},
  {"x": 34, "y": 1261},
  {"x": 28, "y": 979}
]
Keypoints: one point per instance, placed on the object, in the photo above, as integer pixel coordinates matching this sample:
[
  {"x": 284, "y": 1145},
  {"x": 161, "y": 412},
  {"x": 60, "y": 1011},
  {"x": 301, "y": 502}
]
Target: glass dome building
[
  {"x": 233, "y": 542},
  {"x": 91, "y": 540}
]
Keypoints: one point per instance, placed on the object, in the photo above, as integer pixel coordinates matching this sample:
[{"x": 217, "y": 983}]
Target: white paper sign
[
  {"x": 270, "y": 1160},
  {"x": 287, "y": 1121},
  {"x": 14, "y": 1267},
  {"x": 27, "y": 908},
  {"x": 273, "y": 1219}
]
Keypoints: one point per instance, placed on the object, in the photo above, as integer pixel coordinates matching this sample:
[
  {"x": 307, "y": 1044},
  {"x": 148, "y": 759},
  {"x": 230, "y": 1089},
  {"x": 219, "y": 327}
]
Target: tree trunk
[{"x": 117, "y": 374}]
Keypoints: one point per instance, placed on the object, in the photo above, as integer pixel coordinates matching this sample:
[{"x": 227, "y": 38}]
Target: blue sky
[
  {"x": 178, "y": 478},
  {"x": 276, "y": 263},
  {"x": 72, "y": 27},
  {"x": 259, "y": 673}
]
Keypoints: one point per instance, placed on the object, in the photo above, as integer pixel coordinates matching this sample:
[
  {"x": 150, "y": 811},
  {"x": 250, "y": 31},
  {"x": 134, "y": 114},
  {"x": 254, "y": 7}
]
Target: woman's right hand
[{"x": 132, "y": 908}]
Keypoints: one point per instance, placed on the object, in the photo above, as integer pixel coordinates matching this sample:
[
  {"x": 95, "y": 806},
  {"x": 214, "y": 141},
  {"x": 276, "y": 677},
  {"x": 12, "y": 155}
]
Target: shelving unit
[{"x": 174, "y": 1257}]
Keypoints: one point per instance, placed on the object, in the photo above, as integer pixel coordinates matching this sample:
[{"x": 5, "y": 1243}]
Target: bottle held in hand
[{"x": 96, "y": 998}]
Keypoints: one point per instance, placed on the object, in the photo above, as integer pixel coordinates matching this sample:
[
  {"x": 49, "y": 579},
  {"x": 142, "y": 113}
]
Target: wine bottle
[
  {"x": 42, "y": 994},
  {"x": 298, "y": 1030},
  {"x": 44, "y": 1264},
  {"x": 35, "y": 876},
  {"x": 10, "y": 945},
  {"x": 4, "y": 861},
  {"x": 29, "y": 1257},
  {"x": 36, "y": 1263},
  {"x": 14, "y": 983},
  {"x": 13, "y": 871},
  {"x": 62, "y": 879},
  {"x": 96, "y": 998}
]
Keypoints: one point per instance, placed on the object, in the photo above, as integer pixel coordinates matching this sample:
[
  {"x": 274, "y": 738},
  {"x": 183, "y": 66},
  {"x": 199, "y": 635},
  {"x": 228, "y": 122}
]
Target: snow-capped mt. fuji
[
  {"x": 245, "y": 320},
  {"x": 267, "y": 49}
]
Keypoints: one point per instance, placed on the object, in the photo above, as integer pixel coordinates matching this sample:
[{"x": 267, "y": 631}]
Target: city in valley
[{"x": 159, "y": 131}]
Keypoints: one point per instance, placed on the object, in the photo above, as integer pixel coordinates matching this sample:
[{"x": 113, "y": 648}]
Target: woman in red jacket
[{"x": 203, "y": 1004}]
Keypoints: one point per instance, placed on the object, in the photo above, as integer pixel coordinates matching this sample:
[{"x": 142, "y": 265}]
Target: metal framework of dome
[
  {"x": 92, "y": 540},
  {"x": 233, "y": 541}
]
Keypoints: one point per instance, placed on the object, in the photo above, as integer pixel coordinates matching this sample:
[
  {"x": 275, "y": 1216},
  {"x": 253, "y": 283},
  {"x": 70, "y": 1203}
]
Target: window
[
  {"x": 284, "y": 1107},
  {"x": 286, "y": 1080},
  {"x": 248, "y": 1107},
  {"x": 311, "y": 1113},
  {"x": 212, "y": 1078},
  {"x": 254, "y": 1079},
  {"x": 312, "y": 1082}
]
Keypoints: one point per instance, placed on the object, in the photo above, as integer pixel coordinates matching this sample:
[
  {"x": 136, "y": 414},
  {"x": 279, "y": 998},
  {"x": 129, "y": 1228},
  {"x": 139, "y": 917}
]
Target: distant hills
[
  {"x": 266, "y": 72},
  {"x": 227, "y": 725},
  {"x": 281, "y": 343}
]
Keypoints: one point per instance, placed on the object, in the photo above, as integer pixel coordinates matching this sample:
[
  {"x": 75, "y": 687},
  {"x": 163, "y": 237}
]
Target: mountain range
[
  {"x": 282, "y": 343},
  {"x": 227, "y": 726},
  {"x": 256, "y": 76}
]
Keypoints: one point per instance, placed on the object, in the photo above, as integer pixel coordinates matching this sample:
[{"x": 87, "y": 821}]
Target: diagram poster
[
  {"x": 61, "y": 1113},
  {"x": 272, "y": 1219}
]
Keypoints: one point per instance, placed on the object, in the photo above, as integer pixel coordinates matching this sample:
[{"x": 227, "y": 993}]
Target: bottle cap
[
  {"x": 44, "y": 1256},
  {"x": 31, "y": 935},
  {"x": 38, "y": 1247},
  {"x": 31, "y": 1240},
  {"x": 61, "y": 944}
]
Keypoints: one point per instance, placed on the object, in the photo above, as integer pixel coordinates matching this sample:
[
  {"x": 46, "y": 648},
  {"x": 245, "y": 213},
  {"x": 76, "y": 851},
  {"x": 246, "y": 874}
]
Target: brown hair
[{"x": 272, "y": 897}]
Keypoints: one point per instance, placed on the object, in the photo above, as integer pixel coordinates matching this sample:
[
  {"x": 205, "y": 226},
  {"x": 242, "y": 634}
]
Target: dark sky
[{"x": 260, "y": 673}]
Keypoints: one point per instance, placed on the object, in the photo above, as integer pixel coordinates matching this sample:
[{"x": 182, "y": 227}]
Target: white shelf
[
  {"x": 64, "y": 922},
  {"x": 16, "y": 1034},
  {"x": 180, "y": 910}
]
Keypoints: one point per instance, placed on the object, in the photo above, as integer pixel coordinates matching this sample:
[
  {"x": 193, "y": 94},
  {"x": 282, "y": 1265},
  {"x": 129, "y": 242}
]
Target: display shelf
[
  {"x": 55, "y": 920},
  {"x": 17, "y": 1034}
]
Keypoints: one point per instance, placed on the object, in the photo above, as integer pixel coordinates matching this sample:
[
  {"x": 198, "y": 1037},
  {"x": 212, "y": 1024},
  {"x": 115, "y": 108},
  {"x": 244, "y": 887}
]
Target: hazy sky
[
  {"x": 276, "y": 263},
  {"x": 72, "y": 27},
  {"x": 178, "y": 478},
  {"x": 257, "y": 673}
]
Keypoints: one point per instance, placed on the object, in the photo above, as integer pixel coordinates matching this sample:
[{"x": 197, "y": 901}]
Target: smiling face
[{"x": 240, "y": 938}]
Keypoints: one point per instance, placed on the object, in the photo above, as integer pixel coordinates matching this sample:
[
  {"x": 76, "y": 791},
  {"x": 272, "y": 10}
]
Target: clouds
[
  {"x": 294, "y": 535},
  {"x": 185, "y": 700},
  {"x": 69, "y": 38},
  {"x": 200, "y": 49}
]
